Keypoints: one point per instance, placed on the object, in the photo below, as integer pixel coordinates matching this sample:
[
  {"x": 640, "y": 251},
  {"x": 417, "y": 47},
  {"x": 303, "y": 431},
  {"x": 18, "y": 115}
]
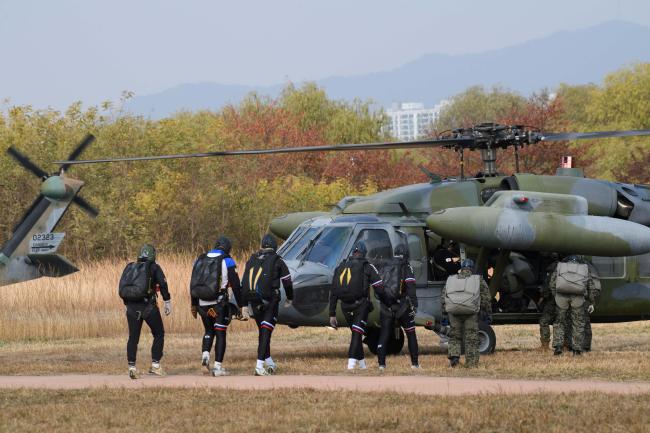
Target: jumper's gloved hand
[
  {"x": 193, "y": 311},
  {"x": 168, "y": 308},
  {"x": 333, "y": 323},
  {"x": 245, "y": 314},
  {"x": 590, "y": 309}
]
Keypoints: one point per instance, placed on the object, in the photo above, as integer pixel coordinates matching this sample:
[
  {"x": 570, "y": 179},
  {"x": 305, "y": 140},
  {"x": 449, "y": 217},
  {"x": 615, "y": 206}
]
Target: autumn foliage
[{"x": 183, "y": 205}]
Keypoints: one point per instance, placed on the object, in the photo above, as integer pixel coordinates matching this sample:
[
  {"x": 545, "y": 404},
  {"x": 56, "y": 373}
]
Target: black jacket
[{"x": 157, "y": 278}]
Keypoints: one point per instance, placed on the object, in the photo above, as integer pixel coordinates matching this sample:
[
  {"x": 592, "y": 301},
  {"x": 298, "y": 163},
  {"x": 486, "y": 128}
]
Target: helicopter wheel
[
  {"x": 487, "y": 340},
  {"x": 395, "y": 343}
]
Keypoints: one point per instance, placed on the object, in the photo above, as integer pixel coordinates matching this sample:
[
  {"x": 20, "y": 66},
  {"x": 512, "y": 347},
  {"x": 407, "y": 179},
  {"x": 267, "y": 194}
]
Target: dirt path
[{"x": 404, "y": 384}]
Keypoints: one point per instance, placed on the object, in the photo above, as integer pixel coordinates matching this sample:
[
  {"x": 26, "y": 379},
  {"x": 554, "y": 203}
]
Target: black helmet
[
  {"x": 147, "y": 253},
  {"x": 401, "y": 251},
  {"x": 269, "y": 242},
  {"x": 467, "y": 264},
  {"x": 223, "y": 244},
  {"x": 360, "y": 249}
]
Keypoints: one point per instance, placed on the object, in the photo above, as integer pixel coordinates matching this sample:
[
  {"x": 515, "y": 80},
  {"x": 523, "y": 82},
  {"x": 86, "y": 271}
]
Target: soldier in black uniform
[
  {"x": 399, "y": 304},
  {"x": 145, "y": 309},
  {"x": 351, "y": 283},
  {"x": 215, "y": 308},
  {"x": 265, "y": 272}
]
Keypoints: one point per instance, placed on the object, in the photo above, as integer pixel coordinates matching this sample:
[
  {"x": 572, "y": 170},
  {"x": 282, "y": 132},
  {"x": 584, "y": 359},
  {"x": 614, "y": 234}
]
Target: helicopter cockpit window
[
  {"x": 378, "y": 244},
  {"x": 296, "y": 245},
  {"x": 328, "y": 246}
]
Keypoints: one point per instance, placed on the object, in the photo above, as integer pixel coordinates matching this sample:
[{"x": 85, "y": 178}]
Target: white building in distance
[{"x": 410, "y": 120}]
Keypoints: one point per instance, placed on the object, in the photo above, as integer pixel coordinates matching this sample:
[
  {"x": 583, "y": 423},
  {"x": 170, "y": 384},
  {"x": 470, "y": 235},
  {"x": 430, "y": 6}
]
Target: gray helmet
[
  {"x": 268, "y": 241},
  {"x": 359, "y": 249},
  {"x": 223, "y": 244},
  {"x": 147, "y": 253},
  {"x": 401, "y": 251},
  {"x": 467, "y": 264}
]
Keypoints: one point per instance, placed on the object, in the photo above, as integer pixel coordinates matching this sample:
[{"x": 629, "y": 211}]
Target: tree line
[{"x": 183, "y": 205}]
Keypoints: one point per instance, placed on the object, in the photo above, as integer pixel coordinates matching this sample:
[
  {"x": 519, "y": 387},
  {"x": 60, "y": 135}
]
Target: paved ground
[{"x": 425, "y": 385}]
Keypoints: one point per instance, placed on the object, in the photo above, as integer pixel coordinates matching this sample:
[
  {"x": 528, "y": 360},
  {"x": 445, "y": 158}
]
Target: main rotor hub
[{"x": 487, "y": 137}]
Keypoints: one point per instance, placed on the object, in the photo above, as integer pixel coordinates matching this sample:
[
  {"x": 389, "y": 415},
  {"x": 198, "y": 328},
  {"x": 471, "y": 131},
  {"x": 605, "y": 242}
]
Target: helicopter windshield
[
  {"x": 327, "y": 247},
  {"x": 298, "y": 241}
]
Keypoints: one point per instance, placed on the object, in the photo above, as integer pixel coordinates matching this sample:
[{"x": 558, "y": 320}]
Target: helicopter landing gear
[
  {"x": 395, "y": 343},
  {"x": 487, "y": 339}
]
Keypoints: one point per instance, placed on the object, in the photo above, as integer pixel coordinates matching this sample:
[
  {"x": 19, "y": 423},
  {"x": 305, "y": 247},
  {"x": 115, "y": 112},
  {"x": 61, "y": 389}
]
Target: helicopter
[
  {"x": 30, "y": 252},
  {"x": 514, "y": 226}
]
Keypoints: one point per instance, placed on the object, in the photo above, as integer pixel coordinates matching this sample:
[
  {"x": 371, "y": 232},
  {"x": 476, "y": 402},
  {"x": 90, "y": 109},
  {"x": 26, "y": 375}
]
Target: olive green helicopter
[{"x": 514, "y": 226}]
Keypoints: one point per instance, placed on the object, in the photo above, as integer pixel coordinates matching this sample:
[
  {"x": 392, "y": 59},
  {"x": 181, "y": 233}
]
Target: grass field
[
  {"x": 620, "y": 353},
  {"x": 183, "y": 410},
  {"x": 76, "y": 325}
]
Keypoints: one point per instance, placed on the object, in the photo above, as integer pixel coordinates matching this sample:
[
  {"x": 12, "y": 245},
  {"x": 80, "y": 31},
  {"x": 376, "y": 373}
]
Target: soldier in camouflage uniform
[
  {"x": 467, "y": 324},
  {"x": 580, "y": 305},
  {"x": 586, "y": 344},
  {"x": 547, "y": 316}
]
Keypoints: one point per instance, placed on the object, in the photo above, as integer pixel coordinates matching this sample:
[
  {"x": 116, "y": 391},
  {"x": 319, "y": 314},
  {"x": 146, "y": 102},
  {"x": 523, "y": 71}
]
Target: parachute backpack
[
  {"x": 349, "y": 282},
  {"x": 392, "y": 275},
  {"x": 463, "y": 295},
  {"x": 135, "y": 281},
  {"x": 259, "y": 282},
  {"x": 572, "y": 278},
  {"x": 206, "y": 278}
]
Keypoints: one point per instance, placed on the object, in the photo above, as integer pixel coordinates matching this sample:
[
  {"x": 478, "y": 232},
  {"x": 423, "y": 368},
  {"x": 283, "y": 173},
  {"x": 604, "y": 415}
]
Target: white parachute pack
[
  {"x": 572, "y": 278},
  {"x": 463, "y": 295}
]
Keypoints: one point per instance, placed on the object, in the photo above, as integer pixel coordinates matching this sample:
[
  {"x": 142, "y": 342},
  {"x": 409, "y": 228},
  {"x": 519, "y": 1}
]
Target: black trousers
[
  {"x": 266, "y": 317},
  {"x": 387, "y": 318},
  {"x": 356, "y": 315},
  {"x": 136, "y": 313},
  {"x": 216, "y": 319}
]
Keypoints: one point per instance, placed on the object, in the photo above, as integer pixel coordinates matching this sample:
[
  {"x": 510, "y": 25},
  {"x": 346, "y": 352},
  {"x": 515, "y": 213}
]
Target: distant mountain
[{"x": 577, "y": 57}]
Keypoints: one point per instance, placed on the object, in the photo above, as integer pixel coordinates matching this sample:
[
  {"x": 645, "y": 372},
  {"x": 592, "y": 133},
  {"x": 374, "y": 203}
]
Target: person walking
[{"x": 139, "y": 286}]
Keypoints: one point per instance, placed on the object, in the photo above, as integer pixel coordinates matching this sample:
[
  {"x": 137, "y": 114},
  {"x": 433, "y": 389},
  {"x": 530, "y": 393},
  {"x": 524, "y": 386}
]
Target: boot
[
  {"x": 577, "y": 352},
  {"x": 557, "y": 351},
  {"x": 454, "y": 361}
]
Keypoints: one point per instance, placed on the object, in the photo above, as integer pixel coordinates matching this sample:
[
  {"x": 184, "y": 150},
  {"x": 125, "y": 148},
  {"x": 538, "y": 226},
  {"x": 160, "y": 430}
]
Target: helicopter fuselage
[{"x": 316, "y": 242}]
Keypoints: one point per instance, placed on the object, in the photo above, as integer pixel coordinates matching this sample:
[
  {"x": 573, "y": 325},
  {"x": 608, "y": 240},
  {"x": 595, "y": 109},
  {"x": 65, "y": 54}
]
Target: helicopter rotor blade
[
  {"x": 446, "y": 142},
  {"x": 587, "y": 135},
  {"x": 87, "y": 207},
  {"x": 79, "y": 149},
  {"x": 27, "y": 163}
]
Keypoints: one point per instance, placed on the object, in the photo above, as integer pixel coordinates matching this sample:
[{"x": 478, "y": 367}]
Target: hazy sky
[{"x": 57, "y": 51}]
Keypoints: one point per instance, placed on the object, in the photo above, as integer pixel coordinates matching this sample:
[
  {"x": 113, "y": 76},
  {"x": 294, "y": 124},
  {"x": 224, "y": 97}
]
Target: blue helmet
[
  {"x": 467, "y": 264},
  {"x": 574, "y": 258}
]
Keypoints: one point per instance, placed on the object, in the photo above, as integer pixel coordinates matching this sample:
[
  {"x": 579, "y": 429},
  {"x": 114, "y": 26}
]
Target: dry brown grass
[
  {"x": 86, "y": 304},
  {"x": 620, "y": 353},
  {"x": 76, "y": 325},
  {"x": 183, "y": 410}
]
